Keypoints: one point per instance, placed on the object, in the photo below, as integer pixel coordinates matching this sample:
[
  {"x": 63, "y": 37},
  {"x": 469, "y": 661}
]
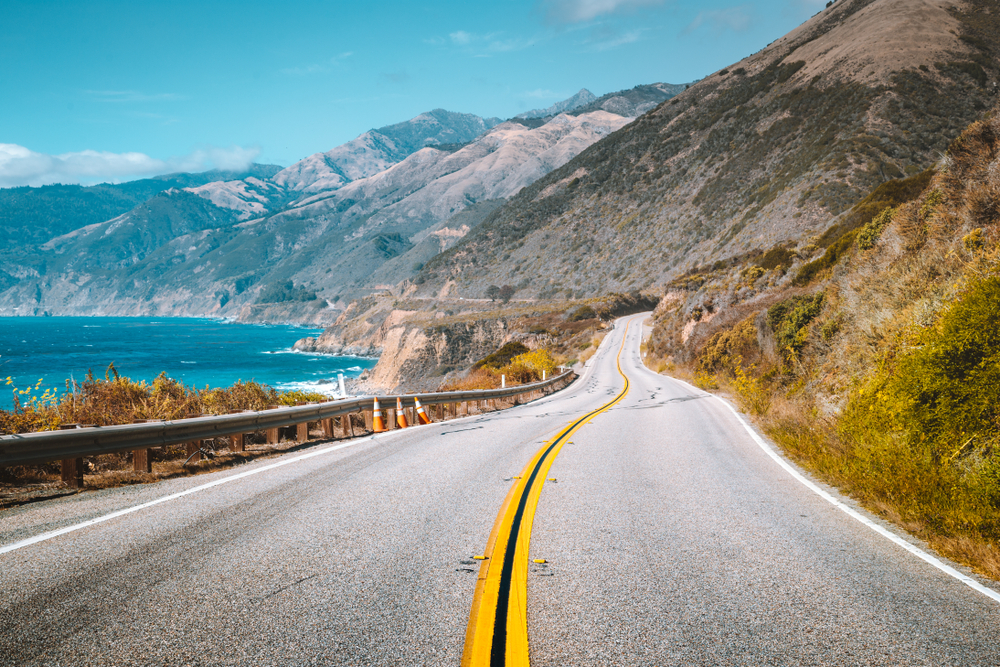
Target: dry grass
[{"x": 888, "y": 392}]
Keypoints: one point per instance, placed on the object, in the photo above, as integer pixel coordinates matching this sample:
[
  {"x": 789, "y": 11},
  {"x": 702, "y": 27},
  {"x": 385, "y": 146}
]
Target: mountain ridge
[{"x": 755, "y": 155}]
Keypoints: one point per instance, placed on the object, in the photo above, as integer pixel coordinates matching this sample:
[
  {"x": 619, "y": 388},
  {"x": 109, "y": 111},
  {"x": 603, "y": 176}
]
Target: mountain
[
  {"x": 633, "y": 102},
  {"x": 582, "y": 98},
  {"x": 216, "y": 248},
  {"x": 31, "y": 216},
  {"x": 770, "y": 151},
  {"x": 377, "y": 150}
]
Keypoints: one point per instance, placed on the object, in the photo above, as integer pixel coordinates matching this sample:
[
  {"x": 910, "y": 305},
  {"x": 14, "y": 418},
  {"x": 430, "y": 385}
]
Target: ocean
[{"x": 198, "y": 352}]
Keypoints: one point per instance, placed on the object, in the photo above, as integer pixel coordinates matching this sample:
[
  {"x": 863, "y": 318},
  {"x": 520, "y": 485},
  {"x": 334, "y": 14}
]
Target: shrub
[
  {"x": 945, "y": 387},
  {"x": 582, "y": 313},
  {"x": 503, "y": 356},
  {"x": 973, "y": 241},
  {"x": 728, "y": 348},
  {"x": 285, "y": 292},
  {"x": 789, "y": 321},
  {"x": 538, "y": 360},
  {"x": 870, "y": 233},
  {"x": 120, "y": 400},
  {"x": 827, "y": 260}
]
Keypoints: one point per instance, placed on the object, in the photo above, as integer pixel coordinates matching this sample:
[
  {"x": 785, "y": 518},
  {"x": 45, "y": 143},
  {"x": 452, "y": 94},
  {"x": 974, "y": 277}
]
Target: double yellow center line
[{"x": 497, "y": 635}]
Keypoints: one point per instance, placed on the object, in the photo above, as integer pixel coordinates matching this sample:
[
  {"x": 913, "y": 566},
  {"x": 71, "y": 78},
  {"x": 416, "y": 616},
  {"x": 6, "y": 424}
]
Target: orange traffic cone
[
  {"x": 400, "y": 415},
  {"x": 378, "y": 424},
  {"x": 422, "y": 416}
]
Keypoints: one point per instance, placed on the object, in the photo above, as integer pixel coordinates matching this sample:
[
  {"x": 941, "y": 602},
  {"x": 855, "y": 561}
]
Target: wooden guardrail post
[
  {"x": 71, "y": 470},
  {"x": 141, "y": 461},
  {"x": 72, "y": 473},
  {"x": 302, "y": 432},
  {"x": 369, "y": 420},
  {"x": 327, "y": 425},
  {"x": 237, "y": 441},
  {"x": 273, "y": 434}
]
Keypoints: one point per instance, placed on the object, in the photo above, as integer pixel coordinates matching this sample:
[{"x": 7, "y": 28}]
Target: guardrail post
[
  {"x": 273, "y": 434},
  {"x": 327, "y": 427},
  {"x": 465, "y": 408},
  {"x": 369, "y": 425},
  {"x": 302, "y": 432},
  {"x": 141, "y": 461},
  {"x": 140, "y": 457},
  {"x": 237, "y": 441},
  {"x": 71, "y": 469},
  {"x": 194, "y": 450},
  {"x": 390, "y": 419},
  {"x": 72, "y": 473}
]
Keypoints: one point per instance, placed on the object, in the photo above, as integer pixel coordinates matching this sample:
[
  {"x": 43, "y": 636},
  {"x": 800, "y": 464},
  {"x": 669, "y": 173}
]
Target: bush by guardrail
[{"x": 73, "y": 443}]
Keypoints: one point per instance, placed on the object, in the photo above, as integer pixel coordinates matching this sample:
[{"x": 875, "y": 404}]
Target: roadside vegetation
[
  {"x": 878, "y": 367},
  {"x": 116, "y": 399}
]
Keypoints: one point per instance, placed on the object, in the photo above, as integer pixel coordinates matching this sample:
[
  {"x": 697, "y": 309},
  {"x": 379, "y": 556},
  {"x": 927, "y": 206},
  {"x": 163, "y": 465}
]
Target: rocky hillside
[
  {"x": 768, "y": 153},
  {"x": 377, "y": 150},
  {"x": 881, "y": 354},
  {"x": 358, "y": 219}
]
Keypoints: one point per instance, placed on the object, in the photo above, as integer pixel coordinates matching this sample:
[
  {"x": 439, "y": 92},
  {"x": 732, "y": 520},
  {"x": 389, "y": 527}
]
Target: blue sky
[{"x": 110, "y": 90}]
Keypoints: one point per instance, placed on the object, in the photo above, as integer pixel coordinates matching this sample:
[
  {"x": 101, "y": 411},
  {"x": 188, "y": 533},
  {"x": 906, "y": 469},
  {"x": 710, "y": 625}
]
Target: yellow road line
[{"x": 497, "y": 635}]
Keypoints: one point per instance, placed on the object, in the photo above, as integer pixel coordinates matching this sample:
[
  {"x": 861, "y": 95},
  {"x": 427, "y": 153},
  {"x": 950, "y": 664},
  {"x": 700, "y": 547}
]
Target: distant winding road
[{"x": 665, "y": 534}]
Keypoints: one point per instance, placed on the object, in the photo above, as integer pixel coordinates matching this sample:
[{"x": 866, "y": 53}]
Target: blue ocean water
[{"x": 198, "y": 352}]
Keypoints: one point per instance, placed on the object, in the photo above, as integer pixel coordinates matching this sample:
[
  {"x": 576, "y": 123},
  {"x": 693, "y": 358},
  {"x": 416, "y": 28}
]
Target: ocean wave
[
  {"x": 325, "y": 387},
  {"x": 189, "y": 362}
]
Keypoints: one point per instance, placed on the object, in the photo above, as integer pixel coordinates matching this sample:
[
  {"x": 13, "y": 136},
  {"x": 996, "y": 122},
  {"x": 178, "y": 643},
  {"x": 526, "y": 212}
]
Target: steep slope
[
  {"x": 768, "y": 151},
  {"x": 376, "y": 150},
  {"x": 877, "y": 365}
]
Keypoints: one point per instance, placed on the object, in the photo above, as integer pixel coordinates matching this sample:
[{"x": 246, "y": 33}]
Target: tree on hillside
[
  {"x": 505, "y": 293},
  {"x": 492, "y": 292}
]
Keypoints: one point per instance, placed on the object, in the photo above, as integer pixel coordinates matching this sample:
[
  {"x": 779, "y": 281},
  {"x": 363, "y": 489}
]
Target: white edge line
[
  {"x": 849, "y": 511},
  {"x": 42, "y": 537}
]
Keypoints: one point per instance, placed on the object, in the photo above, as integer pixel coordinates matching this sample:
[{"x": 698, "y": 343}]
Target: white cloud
[
  {"x": 736, "y": 19},
  {"x": 460, "y": 37},
  {"x": 22, "y": 166},
  {"x": 575, "y": 11}
]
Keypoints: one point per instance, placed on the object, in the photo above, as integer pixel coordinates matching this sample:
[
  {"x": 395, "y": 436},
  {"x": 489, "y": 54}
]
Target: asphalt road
[{"x": 671, "y": 538}]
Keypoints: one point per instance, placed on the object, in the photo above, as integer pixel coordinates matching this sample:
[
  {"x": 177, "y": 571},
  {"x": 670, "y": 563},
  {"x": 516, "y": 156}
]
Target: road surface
[{"x": 669, "y": 535}]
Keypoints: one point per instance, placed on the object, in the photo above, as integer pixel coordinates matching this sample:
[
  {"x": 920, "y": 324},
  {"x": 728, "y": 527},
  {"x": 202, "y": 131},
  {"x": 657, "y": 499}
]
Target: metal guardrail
[{"x": 44, "y": 446}]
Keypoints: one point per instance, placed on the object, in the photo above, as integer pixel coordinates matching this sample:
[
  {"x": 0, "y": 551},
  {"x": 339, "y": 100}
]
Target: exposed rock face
[{"x": 414, "y": 352}]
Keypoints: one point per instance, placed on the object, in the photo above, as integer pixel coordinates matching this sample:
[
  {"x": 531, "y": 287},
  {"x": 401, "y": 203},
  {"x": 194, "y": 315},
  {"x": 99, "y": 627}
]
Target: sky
[{"x": 113, "y": 91}]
